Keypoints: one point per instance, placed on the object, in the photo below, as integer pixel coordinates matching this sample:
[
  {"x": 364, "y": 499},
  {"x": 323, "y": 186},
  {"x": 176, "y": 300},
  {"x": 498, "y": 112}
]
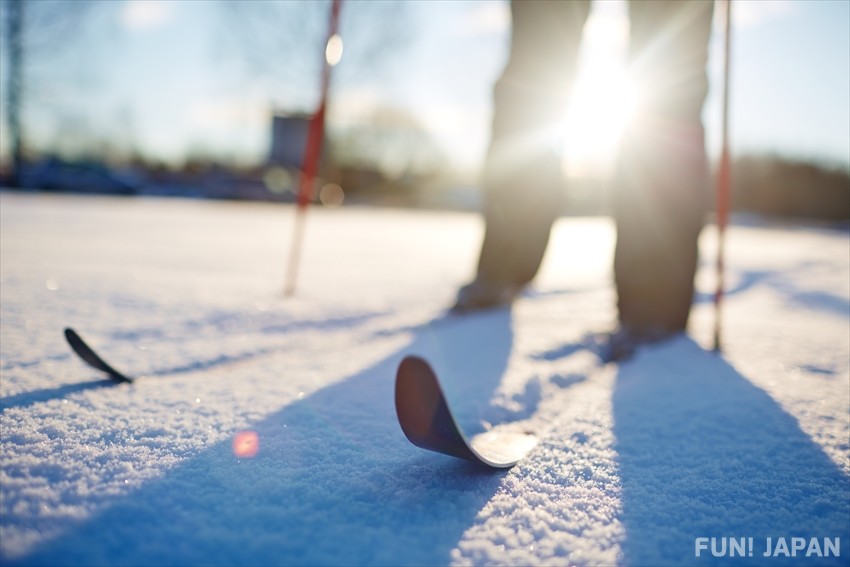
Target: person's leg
[
  {"x": 522, "y": 176},
  {"x": 662, "y": 190}
]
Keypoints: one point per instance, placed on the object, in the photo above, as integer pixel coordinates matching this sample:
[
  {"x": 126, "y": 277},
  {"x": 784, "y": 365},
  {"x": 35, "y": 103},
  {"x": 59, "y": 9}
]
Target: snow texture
[{"x": 635, "y": 461}]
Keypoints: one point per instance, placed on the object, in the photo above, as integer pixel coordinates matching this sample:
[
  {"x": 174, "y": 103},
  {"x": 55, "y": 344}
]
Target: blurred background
[{"x": 212, "y": 99}]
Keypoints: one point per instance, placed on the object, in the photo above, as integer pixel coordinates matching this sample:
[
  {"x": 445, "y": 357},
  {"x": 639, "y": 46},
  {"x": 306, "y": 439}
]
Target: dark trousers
[{"x": 661, "y": 190}]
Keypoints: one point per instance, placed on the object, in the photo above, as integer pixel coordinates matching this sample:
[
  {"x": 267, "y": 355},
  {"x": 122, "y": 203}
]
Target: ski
[
  {"x": 427, "y": 421},
  {"x": 90, "y": 357}
]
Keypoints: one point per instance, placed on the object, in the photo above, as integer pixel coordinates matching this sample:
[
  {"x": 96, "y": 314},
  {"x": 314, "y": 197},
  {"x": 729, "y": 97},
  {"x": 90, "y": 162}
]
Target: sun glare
[
  {"x": 602, "y": 103},
  {"x": 603, "y": 97}
]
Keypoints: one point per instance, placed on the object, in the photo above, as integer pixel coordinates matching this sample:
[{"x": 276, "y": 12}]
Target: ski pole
[
  {"x": 313, "y": 150},
  {"x": 723, "y": 181}
]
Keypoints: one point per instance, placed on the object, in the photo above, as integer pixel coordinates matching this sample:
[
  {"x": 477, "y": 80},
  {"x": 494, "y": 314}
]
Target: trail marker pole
[
  {"x": 313, "y": 150},
  {"x": 723, "y": 184}
]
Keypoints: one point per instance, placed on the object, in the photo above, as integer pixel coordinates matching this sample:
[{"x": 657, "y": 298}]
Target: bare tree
[
  {"x": 390, "y": 140},
  {"x": 284, "y": 41},
  {"x": 14, "y": 91},
  {"x": 32, "y": 30}
]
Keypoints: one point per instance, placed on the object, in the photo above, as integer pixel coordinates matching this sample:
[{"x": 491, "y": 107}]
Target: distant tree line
[
  {"x": 762, "y": 184},
  {"x": 767, "y": 185},
  {"x": 32, "y": 35},
  {"x": 782, "y": 187}
]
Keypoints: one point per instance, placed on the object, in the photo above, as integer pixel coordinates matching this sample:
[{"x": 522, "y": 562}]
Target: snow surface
[{"x": 635, "y": 460}]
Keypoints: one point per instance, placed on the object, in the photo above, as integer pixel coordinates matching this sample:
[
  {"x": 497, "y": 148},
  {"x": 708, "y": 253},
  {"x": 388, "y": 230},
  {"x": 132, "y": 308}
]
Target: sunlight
[
  {"x": 603, "y": 98},
  {"x": 602, "y": 103}
]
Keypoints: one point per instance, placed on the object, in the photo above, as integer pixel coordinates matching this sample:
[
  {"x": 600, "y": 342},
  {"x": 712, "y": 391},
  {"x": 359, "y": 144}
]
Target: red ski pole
[
  {"x": 313, "y": 149},
  {"x": 723, "y": 181}
]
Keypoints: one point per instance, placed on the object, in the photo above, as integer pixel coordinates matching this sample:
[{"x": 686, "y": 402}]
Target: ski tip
[
  {"x": 78, "y": 345},
  {"x": 427, "y": 421},
  {"x": 90, "y": 357},
  {"x": 417, "y": 398},
  {"x": 423, "y": 413}
]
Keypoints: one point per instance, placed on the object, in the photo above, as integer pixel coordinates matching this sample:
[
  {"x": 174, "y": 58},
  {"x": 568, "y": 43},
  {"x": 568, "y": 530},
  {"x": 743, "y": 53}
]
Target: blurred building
[{"x": 289, "y": 138}]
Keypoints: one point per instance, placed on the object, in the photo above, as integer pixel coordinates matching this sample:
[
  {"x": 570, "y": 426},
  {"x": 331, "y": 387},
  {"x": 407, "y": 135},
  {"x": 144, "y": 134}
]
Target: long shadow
[
  {"x": 591, "y": 342},
  {"x": 779, "y": 281},
  {"x": 335, "y": 481},
  {"x": 703, "y": 453},
  {"x": 47, "y": 394},
  {"x": 231, "y": 322}
]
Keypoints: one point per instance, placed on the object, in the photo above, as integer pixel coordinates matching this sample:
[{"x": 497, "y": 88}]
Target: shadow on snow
[
  {"x": 223, "y": 324},
  {"x": 780, "y": 283},
  {"x": 702, "y": 452},
  {"x": 335, "y": 481},
  {"x": 705, "y": 453}
]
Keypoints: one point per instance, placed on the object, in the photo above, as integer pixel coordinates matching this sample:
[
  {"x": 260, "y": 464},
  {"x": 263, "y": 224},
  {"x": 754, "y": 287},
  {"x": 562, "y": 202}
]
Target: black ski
[
  {"x": 90, "y": 357},
  {"x": 427, "y": 421}
]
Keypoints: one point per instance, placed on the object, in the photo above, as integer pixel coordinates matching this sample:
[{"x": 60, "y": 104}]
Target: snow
[{"x": 635, "y": 461}]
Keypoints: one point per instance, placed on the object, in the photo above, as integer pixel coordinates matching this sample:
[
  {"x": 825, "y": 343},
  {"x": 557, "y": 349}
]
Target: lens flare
[
  {"x": 333, "y": 50},
  {"x": 246, "y": 444},
  {"x": 278, "y": 180},
  {"x": 331, "y": 195}
]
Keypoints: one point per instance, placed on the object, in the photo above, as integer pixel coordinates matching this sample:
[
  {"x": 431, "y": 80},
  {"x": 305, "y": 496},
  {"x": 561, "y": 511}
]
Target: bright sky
[{"x": 162, "y": 78}]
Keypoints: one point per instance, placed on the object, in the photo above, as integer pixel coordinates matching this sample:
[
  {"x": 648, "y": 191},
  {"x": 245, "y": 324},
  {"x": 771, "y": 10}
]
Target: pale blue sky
[
  {"x": 167, "y": 77},
  {"x": 791, "y": 80}
]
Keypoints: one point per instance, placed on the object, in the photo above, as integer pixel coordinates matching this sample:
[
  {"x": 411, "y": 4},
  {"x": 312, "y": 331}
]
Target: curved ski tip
[
  {"x": 78, "y": 345},
  {"x": 415, "y": 361},
  {"x": 427, "y": 421},
  {"x": 90, "y": 357},
  {"x": 418, "y": 400}
]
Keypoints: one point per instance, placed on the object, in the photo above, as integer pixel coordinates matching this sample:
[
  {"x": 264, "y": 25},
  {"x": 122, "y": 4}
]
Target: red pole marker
[
  {"x": 313, "y": 149},
  {"x": 723, "y": 182}
]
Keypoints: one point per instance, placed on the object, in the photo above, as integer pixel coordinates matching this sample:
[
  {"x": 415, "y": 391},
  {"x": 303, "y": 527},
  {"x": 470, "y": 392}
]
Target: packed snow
[{"x": 261, "y": 429}]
